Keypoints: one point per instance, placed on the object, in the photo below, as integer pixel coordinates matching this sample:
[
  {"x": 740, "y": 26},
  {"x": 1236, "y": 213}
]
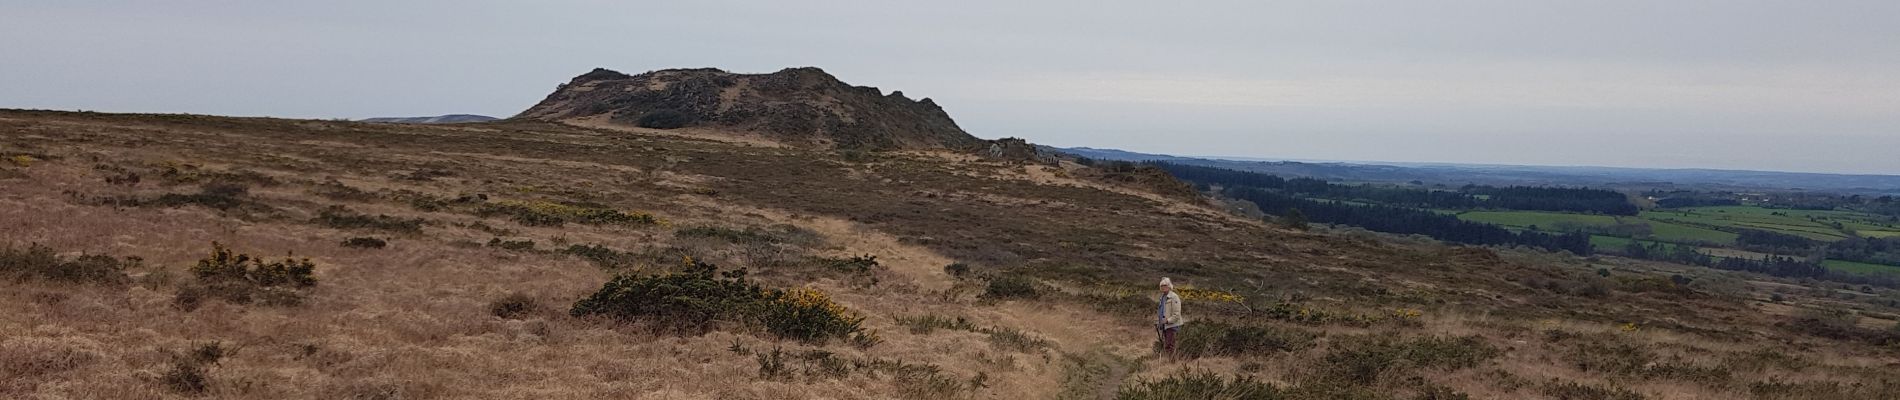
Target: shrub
[
  {"x": 685, "y": 301},
  {"x": 808, "y": 315},
  {"x": 513, "y": 306},
  {"x": 692, "y": 300},
  {"x": 542, "y": 213},
  {"x": 189, "y": 373},
  {"x": 36, "y": 261},
  {"x": 239, "y": 278},
  {"x": 1199, "y": 385},
  {"x": 342, "y": 218},
  {"x": 365, "y": 243},
  {"x": 957, "y": 269},
  {"x": 511, "y": 245},
  {"x": 664, "y": 119},
  {"x": 1011, "y": 287},
  {"x": 1213, "y": 338}
]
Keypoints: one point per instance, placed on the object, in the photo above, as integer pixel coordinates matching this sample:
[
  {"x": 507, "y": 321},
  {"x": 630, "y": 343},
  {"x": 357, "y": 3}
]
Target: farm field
[
  {"x": 1665, "y": 231},
  {"x": 1860, "y": 267}
]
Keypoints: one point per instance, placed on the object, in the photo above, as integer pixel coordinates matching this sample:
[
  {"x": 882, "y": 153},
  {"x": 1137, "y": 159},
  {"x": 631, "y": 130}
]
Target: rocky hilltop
[{"x": 796, "y": 105}]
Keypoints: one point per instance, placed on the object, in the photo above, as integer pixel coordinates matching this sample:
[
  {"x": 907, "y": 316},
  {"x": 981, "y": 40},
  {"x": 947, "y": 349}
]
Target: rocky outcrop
[{"x": 796, "y": 105}]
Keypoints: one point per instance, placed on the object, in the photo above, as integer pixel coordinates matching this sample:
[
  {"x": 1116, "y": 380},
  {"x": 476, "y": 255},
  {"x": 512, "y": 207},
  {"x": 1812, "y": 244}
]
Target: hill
[
  {"x": 439, "y": 119},
  {"x": 797, "y": 105}
]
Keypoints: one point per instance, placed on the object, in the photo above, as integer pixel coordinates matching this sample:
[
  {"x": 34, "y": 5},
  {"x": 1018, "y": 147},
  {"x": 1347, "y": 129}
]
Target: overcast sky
[{"x": 1776, "y": 85}]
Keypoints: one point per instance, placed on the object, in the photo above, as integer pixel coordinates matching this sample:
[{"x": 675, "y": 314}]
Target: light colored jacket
[{"x": 1171, "y": 318}]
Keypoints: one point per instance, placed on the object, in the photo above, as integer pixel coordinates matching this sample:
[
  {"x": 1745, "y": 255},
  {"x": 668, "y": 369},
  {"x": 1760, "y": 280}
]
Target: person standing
[{"x": 1168, "y": 318}]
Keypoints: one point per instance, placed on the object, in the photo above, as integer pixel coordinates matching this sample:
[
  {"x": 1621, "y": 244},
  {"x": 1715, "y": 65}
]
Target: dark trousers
[{"x": 1167, "y": 339}]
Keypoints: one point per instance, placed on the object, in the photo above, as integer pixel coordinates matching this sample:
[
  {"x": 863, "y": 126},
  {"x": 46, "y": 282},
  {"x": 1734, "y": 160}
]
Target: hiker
[{"x": 1168, "y": 318}]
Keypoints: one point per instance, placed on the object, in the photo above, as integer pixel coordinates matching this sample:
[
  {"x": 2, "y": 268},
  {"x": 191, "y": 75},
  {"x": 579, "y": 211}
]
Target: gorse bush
[
  {"x": 542, "y": 213},
  {"x": 808, "y": 315},
  {"x": 688, "y": 301},
  {"x": 692, "y": 300},
  {"x": 240, "y": 278},
  {"x": 40, "y": 262}
]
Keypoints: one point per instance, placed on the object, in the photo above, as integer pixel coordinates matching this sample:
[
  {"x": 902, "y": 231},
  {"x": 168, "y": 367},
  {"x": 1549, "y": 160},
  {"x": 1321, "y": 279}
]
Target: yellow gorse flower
[
  {"x": 814, "y": 298},
  {"x": 23, "y": 160},
  {"x": 1208, "y": 295}
]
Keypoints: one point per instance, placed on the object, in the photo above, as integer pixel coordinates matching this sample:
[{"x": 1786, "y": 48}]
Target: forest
[{"x": 1469, "y": 197}]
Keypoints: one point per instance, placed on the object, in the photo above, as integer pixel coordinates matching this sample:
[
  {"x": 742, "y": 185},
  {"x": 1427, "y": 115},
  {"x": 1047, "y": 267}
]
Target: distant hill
[
  {"x": 1460, "y": 174},
  {"x": 439, "y": 119},
  {"x": 794, "y": 105}
]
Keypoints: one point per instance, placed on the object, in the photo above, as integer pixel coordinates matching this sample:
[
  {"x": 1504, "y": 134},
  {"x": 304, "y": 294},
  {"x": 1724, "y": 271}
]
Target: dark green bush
[
  {"x": 957, "y": 269},
  {"x": 687, "y": 301},
  {"x": 1011, "y": 287},
  {"x": 926, "y": 323},
  {"x": 40, "y": 262},
  {"x": 664, "y": 119},
  {"x": 365, "y": 243},
  {"x": 692, "y": 300}
]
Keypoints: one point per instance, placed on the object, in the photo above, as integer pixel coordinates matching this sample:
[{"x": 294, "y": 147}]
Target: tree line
[
  {"x": 1468, "y": 197},
  {"x": 1401, "y": 220}
]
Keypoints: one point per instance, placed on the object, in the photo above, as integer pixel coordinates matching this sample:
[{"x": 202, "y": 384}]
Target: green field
[
  {"x": 1543, "y": 220},
  {"x": 1860, "y": 267},
  {"x": 1552, "y": 221}
]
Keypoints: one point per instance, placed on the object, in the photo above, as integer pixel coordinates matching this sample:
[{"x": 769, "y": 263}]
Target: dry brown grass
[{"x": 416, "y": 320}]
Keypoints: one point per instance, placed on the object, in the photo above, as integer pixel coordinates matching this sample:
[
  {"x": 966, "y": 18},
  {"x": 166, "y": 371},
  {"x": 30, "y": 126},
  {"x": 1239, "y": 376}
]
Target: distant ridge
[
  {"x": 794, "y": 105},
  {"x": 439, "y": 119}
]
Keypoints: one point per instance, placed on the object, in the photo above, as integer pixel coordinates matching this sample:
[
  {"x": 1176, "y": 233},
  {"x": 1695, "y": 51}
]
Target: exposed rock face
[{"x": 794, "y": 105}]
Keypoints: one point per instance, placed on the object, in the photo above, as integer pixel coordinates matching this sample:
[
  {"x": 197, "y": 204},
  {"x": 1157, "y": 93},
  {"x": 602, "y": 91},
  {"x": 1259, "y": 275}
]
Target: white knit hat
[{"x": 1166, "y": 282}]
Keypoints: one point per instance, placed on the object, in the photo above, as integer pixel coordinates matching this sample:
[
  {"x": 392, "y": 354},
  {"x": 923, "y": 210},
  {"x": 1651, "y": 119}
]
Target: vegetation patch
[
  {"x": 543, "y": 213},
  {"x": 342, "y": 218},
  {"x": 365, "y": 243},
  {"x": 513, "y": 306},
  {"x": 1213, "y": 338},
  {"x": 694, "y": 299},
  {"x": 1199, "y": 385},
  {"x": 1012, "y": 286},
  {"x": 241, "y": 279},
  {"x": 41, "y": 262}
]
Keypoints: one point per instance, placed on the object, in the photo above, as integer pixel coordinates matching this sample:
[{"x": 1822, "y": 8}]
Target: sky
[{"x": 1734, "y": 84}]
